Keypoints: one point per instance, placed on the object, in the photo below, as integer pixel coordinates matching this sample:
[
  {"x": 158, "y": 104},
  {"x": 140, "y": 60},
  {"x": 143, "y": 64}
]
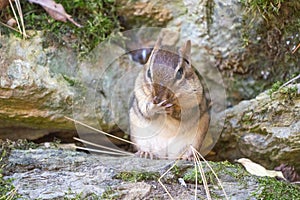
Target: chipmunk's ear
[
  {"x": 158, "y": 43},
  {"x": 185, "y": 51},
  {"x": 155, "y": 48}
]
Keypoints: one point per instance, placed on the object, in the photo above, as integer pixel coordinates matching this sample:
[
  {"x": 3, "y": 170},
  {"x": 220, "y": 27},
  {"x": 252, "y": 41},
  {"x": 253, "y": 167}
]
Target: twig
[
  {"x": 11, "y": 194},
  {"x": 176, "y": 161}
]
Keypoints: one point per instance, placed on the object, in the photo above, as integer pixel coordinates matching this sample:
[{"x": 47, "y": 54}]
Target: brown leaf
[{"x": 56, "y": 11}]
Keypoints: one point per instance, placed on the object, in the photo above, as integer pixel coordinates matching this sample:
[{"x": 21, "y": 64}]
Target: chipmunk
[{"x": 169, "y": 110}]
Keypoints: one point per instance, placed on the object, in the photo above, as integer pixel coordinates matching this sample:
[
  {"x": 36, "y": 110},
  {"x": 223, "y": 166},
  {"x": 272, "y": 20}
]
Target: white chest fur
[{"x": 163, "y": 136}]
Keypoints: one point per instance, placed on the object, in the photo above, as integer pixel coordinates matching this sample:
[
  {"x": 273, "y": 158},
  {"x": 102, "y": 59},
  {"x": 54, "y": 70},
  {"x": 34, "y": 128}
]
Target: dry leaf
[
  {"x": 258, "y": 170},
  {"x": 56, "y": 11}
]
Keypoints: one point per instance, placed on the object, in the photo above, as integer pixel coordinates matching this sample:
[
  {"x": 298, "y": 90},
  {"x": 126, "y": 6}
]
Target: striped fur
[{"x": 169, "y": 109}]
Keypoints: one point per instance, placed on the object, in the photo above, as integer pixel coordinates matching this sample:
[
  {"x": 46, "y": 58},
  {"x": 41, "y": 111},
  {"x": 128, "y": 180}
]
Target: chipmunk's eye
[
  {"x": 179, "y": 73},
  {"x": 149, "y": 74},
  {"x": 186, "y": 61}
]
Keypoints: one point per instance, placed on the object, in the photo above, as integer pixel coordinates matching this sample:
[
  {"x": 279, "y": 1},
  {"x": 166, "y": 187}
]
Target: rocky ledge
[{"x": 51, "y": 173}]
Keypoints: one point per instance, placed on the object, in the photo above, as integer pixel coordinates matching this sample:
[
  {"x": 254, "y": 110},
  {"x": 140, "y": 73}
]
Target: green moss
[
  {"x": 270, "y": 188},
  {"x": 79, "y": 196},
  {"x": 290, "y": 92},
  {"x": 275, "y": 87},
  {"x": 224, "y": 168},
  {"x": 98, "y": 20},
  {"x": 135, "y": 176},
  {"x": 7, "y": 189},
  {"x": 285, "y": 92},
  {"x": 266, "y": 8},
  {"x": 71, "y": 81},
  {"x": 176, "y": 170},
  {"x": 21, "y": 144},
  {"x": 247, "y": 117},
  {"x": 110, "y": 194}
]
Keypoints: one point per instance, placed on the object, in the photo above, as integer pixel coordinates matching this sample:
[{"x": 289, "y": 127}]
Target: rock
[
  {"x": 41, "y": 85},
  {"x": 264, "y": 129},
  {"x": 246, "y": 46},
  {"x": 56, "y": 173},
  {"x": 33, "y": 98}
]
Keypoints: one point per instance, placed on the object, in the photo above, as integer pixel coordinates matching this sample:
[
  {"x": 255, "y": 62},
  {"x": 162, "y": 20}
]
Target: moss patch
[
  {"x": 221, "y": 169},
  {"x": 286, "y": 92},
  {"x": 110, "y": 194},
  {"x": 266, "y": 8},
  {"x": 7, "y": 189},
  {"x": 270, "y": 188},
  {"x": 98, "y": 19},
  {"x": 135, "y": 176}
]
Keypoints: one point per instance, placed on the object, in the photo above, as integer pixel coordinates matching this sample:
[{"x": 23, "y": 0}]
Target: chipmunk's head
[{"x": 169, "y": 74}]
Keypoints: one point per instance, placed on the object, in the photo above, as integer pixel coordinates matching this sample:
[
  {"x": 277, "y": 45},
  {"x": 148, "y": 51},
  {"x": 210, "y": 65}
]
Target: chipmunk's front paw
[
  {"x": 145, "y": 154},
  {"x": 159, "y": 108},
  {"x": 189, "y": 156}
]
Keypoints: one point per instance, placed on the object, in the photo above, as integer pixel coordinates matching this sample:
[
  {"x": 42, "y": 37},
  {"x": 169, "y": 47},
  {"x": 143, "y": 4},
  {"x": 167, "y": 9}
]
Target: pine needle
[
  {"x": 12, "y": 28},
  {"x": 101, "y": 151},
  {"x": 99, "y": 131},
  {"x": 214, "y": 173},
  {"x": 296, "y": 49},
  {"x": 18, "y": 5},
  {"x": 104, "y": 147},
  {"x": 159, "y": 180},
  {"x": 285, "y": 84},
  {"x": 15, "y": 14},
  {"x": 200, "y": 168}
]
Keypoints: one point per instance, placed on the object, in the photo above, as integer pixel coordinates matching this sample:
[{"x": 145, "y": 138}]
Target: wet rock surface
[{"x": 56, "y": 173}]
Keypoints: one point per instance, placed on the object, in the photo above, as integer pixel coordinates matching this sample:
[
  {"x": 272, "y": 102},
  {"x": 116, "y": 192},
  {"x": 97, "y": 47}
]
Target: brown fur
[{"x": 170, "y": 110}]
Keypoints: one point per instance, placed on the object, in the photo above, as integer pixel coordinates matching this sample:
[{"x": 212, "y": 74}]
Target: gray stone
[
  {"x": 264, "y": 129},
  {"x": 33, "y": 98},
  {"x": 57, "y": 174}
]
